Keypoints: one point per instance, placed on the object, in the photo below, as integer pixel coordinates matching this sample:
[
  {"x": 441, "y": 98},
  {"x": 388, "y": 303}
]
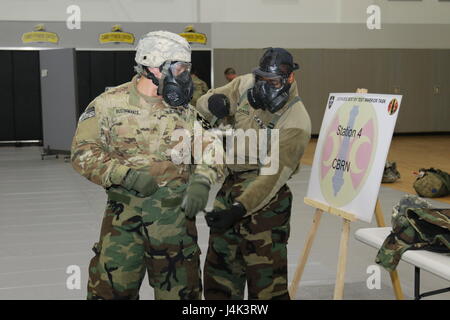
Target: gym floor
[{"x": 50, "y": 217}]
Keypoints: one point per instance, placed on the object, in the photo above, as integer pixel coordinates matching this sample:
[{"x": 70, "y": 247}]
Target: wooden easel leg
[
  {"x": 340, "y": 276},
  {"x": 379, "y": 215},
  {"x": 304, "y": 256},
  {"x": 396, "y": 285},
  {"x": 394, "y": 275}
]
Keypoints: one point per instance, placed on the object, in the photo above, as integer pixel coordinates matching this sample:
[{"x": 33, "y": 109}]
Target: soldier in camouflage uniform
[
  {"x": 250, "y": 221},
  {"x": 124, "y": 143},
  {"x": 200, "y": 87}
]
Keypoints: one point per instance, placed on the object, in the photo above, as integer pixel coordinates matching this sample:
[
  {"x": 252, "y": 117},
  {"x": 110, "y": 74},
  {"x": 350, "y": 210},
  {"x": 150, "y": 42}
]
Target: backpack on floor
[{"x": 432, "y": 183}]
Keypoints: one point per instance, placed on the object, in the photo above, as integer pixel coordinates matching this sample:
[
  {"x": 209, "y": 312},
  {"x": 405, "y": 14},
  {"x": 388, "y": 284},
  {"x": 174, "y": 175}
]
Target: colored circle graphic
[{"x": 348, "y": 152}]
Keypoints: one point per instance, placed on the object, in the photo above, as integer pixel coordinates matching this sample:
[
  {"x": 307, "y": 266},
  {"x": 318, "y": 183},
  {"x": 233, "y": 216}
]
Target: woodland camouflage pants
[
  {"x": 253, "y": 252},
  {"x": 146, "y": 234}
]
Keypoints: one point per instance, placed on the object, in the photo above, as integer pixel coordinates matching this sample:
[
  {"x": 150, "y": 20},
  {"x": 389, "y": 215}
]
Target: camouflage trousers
[
  {"x": 253, "y": 252},
  {"x": 146, "y": 234}
]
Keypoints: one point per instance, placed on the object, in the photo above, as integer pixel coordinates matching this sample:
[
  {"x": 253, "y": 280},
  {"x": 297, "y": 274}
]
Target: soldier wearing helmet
[
  {"x": 250, "y": 223},
  {"x": 124, "y": 143}
]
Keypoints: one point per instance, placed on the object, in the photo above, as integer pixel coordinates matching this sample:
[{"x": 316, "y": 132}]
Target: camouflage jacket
[
  {"x": 123, "y": 129},
  {"x": 415, "y": 226},
  {"x": 294, "y": 128},
  {"x": 200, "y": 88}
]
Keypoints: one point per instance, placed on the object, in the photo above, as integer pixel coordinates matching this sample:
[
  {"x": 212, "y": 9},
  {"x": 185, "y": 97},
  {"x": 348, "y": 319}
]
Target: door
[{"x": 59, "y": 98}]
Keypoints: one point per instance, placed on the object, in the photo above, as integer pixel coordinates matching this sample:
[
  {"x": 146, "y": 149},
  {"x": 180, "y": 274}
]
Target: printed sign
[
  {"x": 39, "y": 35},
  {"x": 351, "y": 151},
  {"x": 116, "y": 36},
  {"x": 192, "y": 36}
]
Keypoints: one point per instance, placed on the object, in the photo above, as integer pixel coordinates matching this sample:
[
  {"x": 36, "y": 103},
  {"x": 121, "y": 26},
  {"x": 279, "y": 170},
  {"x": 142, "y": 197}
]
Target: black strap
[{"x": 275, "y": 119}]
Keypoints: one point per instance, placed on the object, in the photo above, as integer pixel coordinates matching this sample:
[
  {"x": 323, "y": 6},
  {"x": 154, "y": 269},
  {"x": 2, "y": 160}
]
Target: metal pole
[{"x": 416, "y": 283}]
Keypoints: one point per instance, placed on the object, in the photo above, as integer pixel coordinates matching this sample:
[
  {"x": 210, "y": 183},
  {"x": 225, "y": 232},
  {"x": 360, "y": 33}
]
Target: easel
[{"x": 343, "y": 246}]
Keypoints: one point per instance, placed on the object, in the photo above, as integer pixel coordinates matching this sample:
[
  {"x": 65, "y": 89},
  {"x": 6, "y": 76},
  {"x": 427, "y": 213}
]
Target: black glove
[
  {"x": 221, "y": 220},
  {"x": 219, "y": 105}
]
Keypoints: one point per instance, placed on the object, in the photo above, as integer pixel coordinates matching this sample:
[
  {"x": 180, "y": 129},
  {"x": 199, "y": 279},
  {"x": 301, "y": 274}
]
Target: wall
[
  {"x": 266, "y": 11},
  {"x": 101, "y": 10},
  {"x": 408, "y": 52},
  {"x": 246, "y": 35},
  {"x": 331, "y": 35},
  {"x": 87, "y": 37},
  {"x": 324, "y": 11},
  {"x": 412, "y": 73}
]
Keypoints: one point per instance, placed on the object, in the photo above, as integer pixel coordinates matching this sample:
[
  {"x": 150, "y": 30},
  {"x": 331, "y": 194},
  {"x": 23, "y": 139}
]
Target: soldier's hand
[
  {"x": 196, "y": 197},
  {"x": 221, "y": 220},
  {"x": 141, "y": 182},
  {"x": 219, "y": 105}
]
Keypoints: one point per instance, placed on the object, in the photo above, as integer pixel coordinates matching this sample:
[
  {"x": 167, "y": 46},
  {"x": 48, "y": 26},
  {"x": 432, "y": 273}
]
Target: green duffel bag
[{"x": 432, "y": 183}]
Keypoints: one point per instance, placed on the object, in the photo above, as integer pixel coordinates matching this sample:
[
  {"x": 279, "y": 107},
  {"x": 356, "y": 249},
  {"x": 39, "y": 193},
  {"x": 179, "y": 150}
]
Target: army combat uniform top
[
  {"x": 200, "y": 88},
  {"x": 124, "y": 129},
  {"x": 254, "y": 251},
  {"x": 294, "y": 127}
]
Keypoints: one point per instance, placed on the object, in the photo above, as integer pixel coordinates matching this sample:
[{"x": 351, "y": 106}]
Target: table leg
[{"x": 416, "y": 283}]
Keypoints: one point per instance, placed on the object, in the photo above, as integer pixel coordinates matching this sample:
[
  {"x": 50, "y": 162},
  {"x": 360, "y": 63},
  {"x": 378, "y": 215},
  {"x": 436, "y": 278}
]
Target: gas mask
[
  {"x": 271, "y": 89},
  {"x": 175, "y": 86},
  {"x": 269, "y": 94}
]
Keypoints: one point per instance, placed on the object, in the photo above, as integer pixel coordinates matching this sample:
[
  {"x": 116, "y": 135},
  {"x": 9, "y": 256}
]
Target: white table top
[{"x": 436, "y": 263}]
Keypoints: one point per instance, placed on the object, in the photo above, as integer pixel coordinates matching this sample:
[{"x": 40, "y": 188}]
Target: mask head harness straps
[
  {"x": 149, "y": 75},
  {"x": 164, "y": 68},
  {"x": 273, "y": 66},
  {"x": 276, "y": 62}
]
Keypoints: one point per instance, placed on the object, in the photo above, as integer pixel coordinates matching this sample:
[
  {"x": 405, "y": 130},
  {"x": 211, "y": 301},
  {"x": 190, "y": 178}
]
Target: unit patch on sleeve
[{"x": 88, "y": 113}]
